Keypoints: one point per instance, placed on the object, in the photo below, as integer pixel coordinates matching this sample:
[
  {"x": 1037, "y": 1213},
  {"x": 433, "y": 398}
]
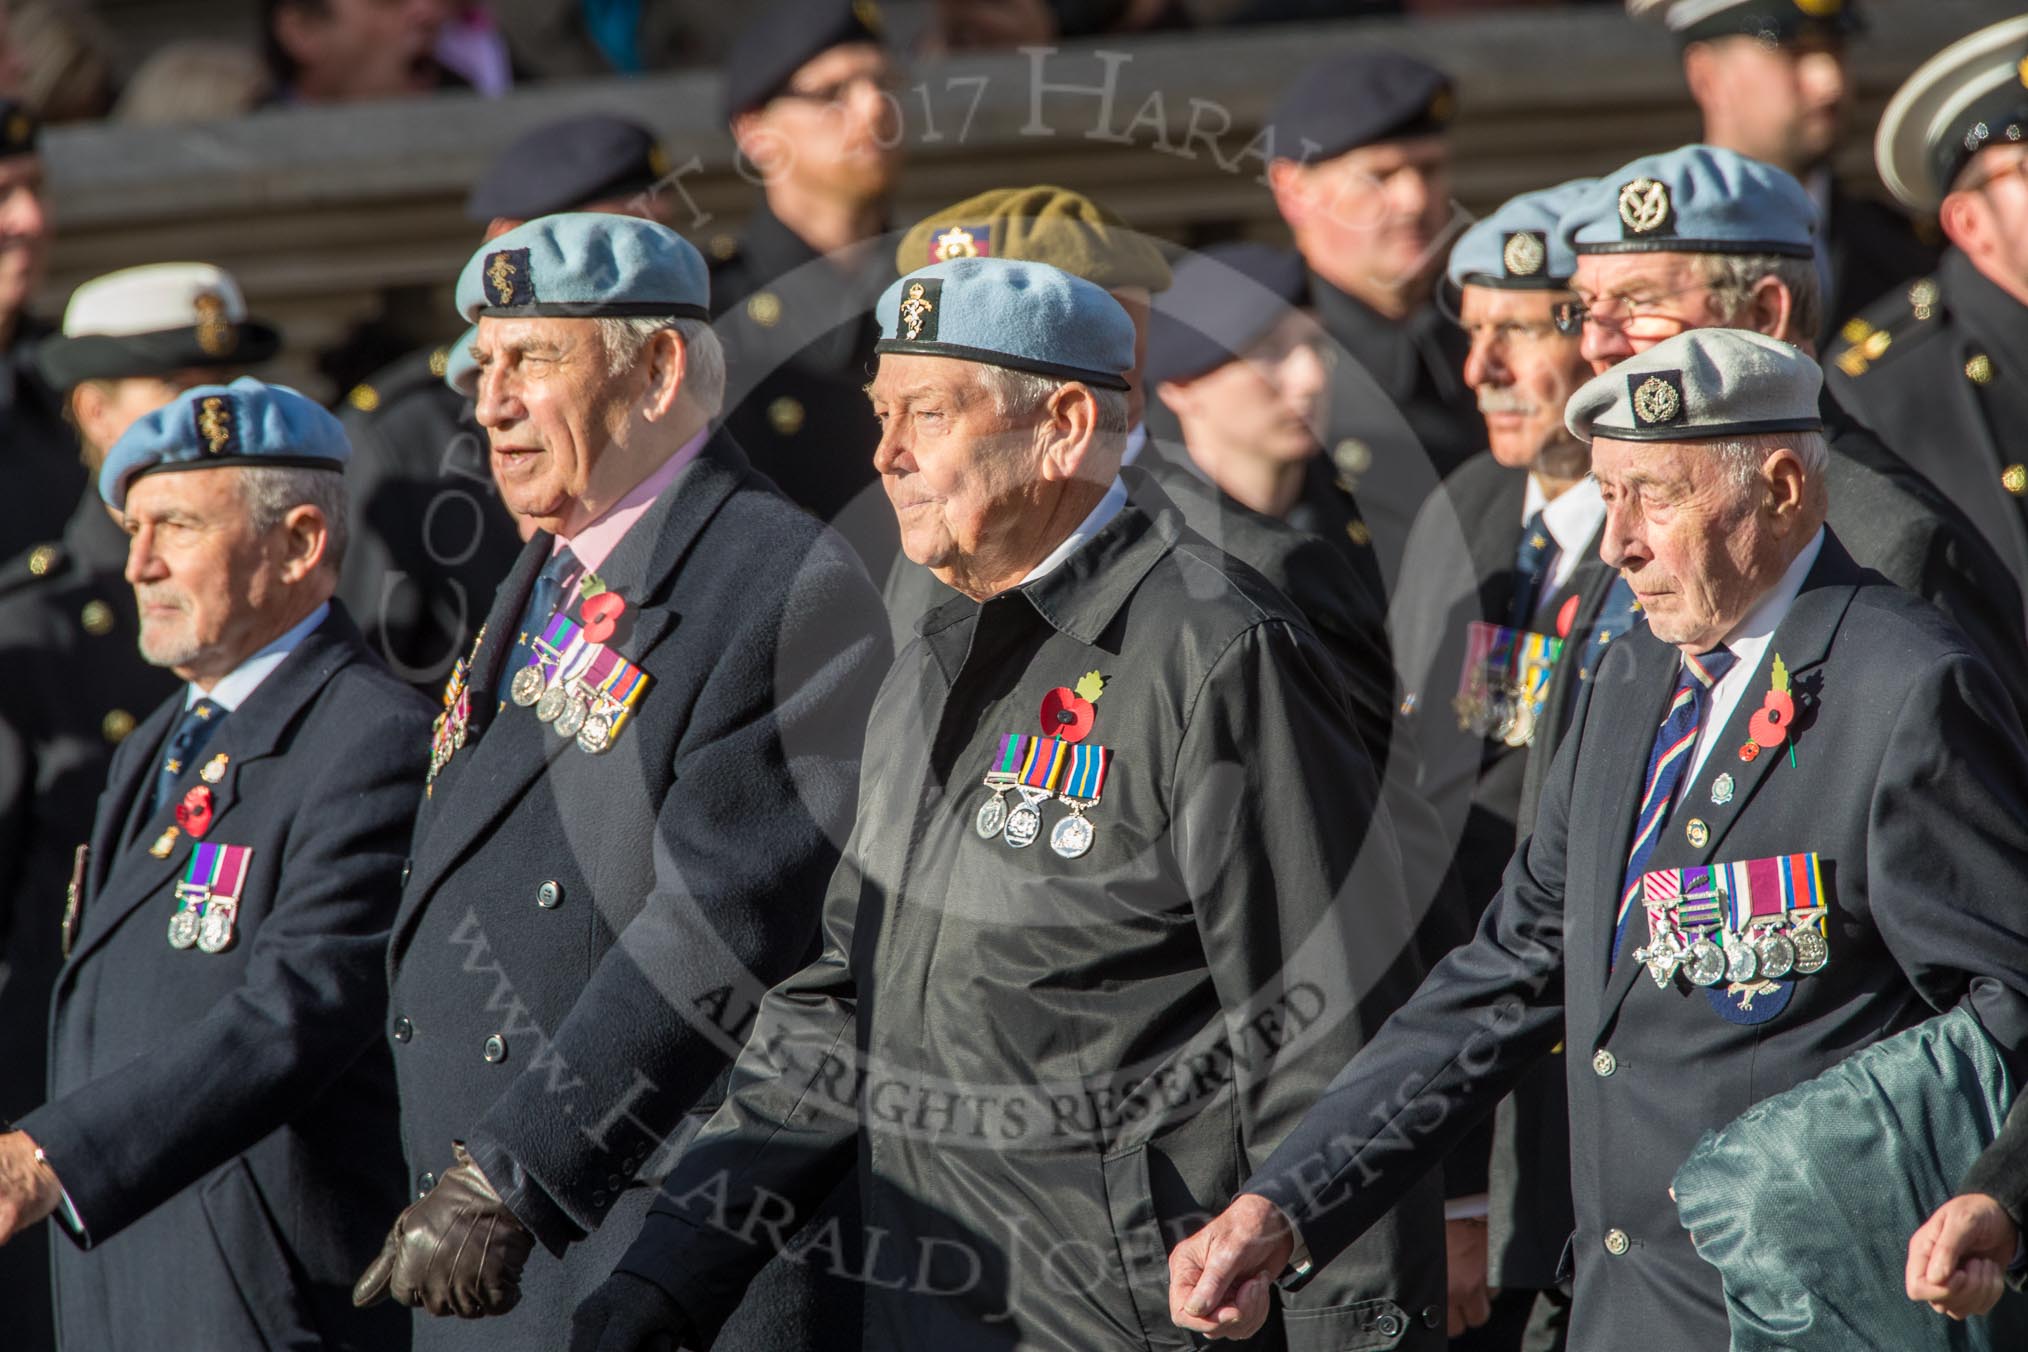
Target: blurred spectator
[
  {"x": 575, "y": 39},
  {"x": 471, "y": 44},
  {"x": 961, "y": 25},
  {"x": 13, "y": 70},
  {"x": 194, "y": 81},
  {"x": 341, "y": 51},
  {"x": 64, "y": 54}
]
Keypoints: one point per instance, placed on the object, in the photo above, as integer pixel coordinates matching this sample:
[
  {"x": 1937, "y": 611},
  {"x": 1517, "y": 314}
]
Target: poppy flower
[
  {"x": 1066, "y": 714},
  {"x": 601, "y": 614},
  {"x": 193, "y": 814}
]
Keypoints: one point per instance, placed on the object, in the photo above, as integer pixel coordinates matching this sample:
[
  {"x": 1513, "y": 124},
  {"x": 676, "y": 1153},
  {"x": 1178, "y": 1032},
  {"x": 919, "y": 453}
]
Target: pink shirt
[{"x": 595, "y": 543}]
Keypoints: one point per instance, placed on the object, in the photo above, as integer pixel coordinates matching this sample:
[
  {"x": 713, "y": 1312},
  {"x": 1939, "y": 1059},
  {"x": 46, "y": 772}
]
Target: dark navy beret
[
  {"x": 244, "y": 423},
  {"x": 584, "y": 265},
  {"x": 790, "y": 33},
  {"x": 1704, "y": 385},
  {"x": 1359, "y": 97},
  {"x": 1005, "y": 312},
  {"x": 1694, "y": 199},
  {"x": 1970, "y": 95},
  {"x": 565, "y": 165},
  {"x": 1223, "y": 301},
  {"x": 1518, "y": 248},
  {"x": 1769, "y": 20}
]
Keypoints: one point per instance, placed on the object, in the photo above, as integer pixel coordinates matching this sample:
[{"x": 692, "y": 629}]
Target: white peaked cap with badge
[
  {"x": 1972, "y": 94},
  {"x": 151, "y": 299}
]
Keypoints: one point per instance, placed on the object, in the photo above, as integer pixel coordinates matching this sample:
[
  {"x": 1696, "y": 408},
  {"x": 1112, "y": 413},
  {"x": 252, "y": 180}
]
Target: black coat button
[
  {"x": 403, "y": 1030},
  {"x": 496, "y": 1048},
  {"x": 405, "y": 865},
  {"x": 549, "y": 896}
]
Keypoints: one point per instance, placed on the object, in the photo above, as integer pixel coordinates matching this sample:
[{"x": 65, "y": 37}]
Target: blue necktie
[
  {"x": 185, "y": 745},
  {"x": 1531, "y": 564},
  {"x": 541, "y": 605},
  {"x": 1668, "y": 761}
]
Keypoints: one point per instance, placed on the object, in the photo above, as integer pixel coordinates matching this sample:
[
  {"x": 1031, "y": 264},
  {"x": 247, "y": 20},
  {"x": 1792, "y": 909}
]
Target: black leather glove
[
  {"x": 457, "y": 1250},
  {"x": 629, "y": 1314}
]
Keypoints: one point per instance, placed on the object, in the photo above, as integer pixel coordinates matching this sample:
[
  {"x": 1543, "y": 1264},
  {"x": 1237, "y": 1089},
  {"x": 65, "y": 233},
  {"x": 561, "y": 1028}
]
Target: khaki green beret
[{"x": 1042, "y": 224}]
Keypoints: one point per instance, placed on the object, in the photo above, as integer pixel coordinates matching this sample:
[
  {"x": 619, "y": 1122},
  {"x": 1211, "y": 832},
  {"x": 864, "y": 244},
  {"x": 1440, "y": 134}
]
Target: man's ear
[
  {"x": 1291, "y": 189},
  {"x": 667, "y": 358},
  {"x": 1787, "y": 483},
  {"x": 1769, "y": 309},
  {"x": 306, "y": 541},
  {"x": 1966, "y": 221},
  {"x": 758, "y": 143},
  {"x": 1071, "y": 429},
  {"x": 1700, "y": 72}
]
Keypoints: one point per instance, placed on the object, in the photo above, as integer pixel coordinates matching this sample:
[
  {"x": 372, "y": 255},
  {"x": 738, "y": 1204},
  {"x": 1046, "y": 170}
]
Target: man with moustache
[
  {"x": 637, "y": 788},
  {"x": 1360, "y": 171},
  {"x": 1733, "y": 883},
  {"x": 217, "y": 1110},
  {"x": 77, "y": 683},
  {"x": 1773, "y": 82},
  {"x": 808, "y": 100}
]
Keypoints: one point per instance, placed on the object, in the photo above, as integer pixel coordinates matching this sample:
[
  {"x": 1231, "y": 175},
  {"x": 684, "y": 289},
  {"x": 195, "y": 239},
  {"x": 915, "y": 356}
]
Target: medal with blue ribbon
[{"x": 1749, "y": 924}]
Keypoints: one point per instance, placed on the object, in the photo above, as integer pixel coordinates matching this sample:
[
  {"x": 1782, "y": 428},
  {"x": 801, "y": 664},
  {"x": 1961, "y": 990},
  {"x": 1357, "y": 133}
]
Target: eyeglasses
[
  {"x": 1566, "y": 320},
  {"x": 1634, "y": 316}
]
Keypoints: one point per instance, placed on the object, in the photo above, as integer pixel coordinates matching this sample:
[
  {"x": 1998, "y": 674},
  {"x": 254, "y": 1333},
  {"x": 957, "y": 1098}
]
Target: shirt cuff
[
  {"x": 1476, "y": 1207},
  {"x": 66, "y": 1213},
  {"x": 1299, "y": 1255}
]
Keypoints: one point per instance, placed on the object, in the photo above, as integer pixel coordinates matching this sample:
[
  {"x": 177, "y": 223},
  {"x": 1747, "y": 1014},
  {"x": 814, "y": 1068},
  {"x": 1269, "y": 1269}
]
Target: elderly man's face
[
  {"x": 952, "y": 465},
  {"x": 1523, "y": 371},
  {"x": 551, "y": 413},
  {"x": 1692, "y": 542},
  {"x": 1635, "y": 301},
  {"x": 204, "y": 579}
]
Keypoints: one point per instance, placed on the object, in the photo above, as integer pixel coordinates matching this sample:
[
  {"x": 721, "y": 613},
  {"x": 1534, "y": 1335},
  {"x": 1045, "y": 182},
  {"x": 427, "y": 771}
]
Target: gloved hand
[
  {"x": 457, "y": 1250},
  {"x": 629, "y": 1314}
]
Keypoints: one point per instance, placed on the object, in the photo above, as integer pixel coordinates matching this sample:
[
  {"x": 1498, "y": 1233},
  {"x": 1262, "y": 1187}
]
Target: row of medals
[
  {"x": 1508, "y": 716},
  {"x": 1764, "y": 954},
  {"x": 1021, "y": 826},
  {"x": 570, "y": 708},
  {"x": 213, "y": 933}
]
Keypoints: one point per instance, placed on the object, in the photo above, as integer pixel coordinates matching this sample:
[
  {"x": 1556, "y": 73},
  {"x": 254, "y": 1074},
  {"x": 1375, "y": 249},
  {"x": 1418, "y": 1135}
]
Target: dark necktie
[
  {"x": 1531, "y": 565},
  {"x": 542, "y": 600},
  {"x": 185, "y": 745},
  {"x": 1668, "y": 761}
]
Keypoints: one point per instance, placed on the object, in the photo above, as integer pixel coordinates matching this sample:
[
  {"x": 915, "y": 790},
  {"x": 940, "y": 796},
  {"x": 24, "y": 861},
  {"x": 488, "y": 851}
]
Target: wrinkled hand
[
  {"x": 1958, "y": 1259},
  {"x": 629, "y": 1314},
  {"x": 28, "y": 1187},
  {"x": 1219, "y": 1277},
  {"x": 456, "y": 1251},
  {"x": 1471, "y": 1301}
]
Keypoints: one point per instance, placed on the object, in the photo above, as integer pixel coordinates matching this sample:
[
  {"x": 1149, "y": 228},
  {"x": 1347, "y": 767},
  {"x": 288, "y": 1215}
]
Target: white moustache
[{"x": 1505, "y": 401}]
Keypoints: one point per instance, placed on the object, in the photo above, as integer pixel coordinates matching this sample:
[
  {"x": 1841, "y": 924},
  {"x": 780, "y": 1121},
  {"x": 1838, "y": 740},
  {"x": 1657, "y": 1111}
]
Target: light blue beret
[
  {"x": 1517, "y": 248},
  {"x": 1004, "y": 312},
  {"x": 584, "y": 265},
  {"x": 1694, "y": 199},
  {"x": 244, "y": 423},
  {"x": 1701, "y": 385},
  {"x": 461, "y": 369}
]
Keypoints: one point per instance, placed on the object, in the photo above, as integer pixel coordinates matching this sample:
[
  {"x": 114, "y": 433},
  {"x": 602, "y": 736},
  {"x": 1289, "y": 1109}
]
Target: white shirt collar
[
  {"x": 234, "y": 687},
  {"x": 1136, "y": 439},
  {"x": 1748, "y": 642},
  {"x": 1094, "y": 522}
]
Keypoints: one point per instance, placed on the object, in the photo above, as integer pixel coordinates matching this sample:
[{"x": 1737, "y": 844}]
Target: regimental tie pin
[{"x": 1056, "y": 764}]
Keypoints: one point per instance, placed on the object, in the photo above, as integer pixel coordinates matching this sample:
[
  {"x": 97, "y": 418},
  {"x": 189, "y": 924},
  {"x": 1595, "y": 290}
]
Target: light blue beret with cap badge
[
  {"x": 1702, "y": 385},
  {"x": 1694, "y": 199},
  {"x": 246, "y": 423},
  {"x": 1005, "y": 312},
  {"x": 1517, "y": 247},
  {"x": 585, "y": 265}
]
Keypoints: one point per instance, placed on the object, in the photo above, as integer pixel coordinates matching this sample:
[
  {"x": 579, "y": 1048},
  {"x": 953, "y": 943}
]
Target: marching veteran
[
  {"x": 219, "y": 1110},
  {"x": 1084, "y": 957},
  {"x": 639, "y": 783},
  {"x": 1781, "y": 828}
]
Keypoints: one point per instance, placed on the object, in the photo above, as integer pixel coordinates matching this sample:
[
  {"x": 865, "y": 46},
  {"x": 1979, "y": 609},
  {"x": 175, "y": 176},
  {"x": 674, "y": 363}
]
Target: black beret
[
  {"x": 1768, "y": 20},
  {"x": 568, "y": 164},
  {"x": 1359, "y": 97},
  {"x": 773, "y": 48},
  {"x": 1224, "y": 299}
]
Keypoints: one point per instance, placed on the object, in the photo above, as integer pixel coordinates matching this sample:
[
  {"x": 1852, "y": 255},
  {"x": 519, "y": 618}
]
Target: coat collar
[{"x": 1803, "y": 640}]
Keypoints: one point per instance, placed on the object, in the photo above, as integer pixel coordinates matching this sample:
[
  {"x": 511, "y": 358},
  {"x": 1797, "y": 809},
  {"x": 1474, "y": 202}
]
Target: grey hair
[
  {"x": 703, "y": 354},
  {"x": 1744, "y": 457},
  {"x": 270, "y": 492},
  {"x": 1020, "y": 395},
  {"x": 1731, "y": 277}
]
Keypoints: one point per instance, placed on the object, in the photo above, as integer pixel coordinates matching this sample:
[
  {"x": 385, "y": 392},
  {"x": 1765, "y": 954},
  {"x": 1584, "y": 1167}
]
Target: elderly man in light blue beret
[
  {"x": 637, "y": 787},
  {"x": 218, "y": 1102},
  {"x": 1087, "y": 952}
]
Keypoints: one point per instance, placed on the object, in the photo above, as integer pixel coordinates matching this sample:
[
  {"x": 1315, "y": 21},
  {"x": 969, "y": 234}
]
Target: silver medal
[
  {"x": 576, "y": 709},
  {"x": 1705, "y": 963},
  {"x": 1811, "y": 951},
  {"x": 992, "y": 816},
  {"x": 551, "y": 703},
  {"x": 1741, "y": 962},
  {"x": 1661, "y": 963},
  {"x": 1024, "y": 823},
  {"x": 596, "y": 734},
  {"x": 216, "y": 934},
  {"x": 183, "y": 929},
  {"x": 1777, "y": 956},
  {"x": 527, "y": 686},
  {"x": 1072, "y": 836}
]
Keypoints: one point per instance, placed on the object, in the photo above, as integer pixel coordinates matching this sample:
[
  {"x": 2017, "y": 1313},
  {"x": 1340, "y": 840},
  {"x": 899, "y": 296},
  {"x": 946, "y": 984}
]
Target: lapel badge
[
  {"x": 1524, "y": 253},
  {"x": 214, "y": 769},
  {"x": 919, "y": 310},
  {"x": 1696, "y": 832},
  {"x": 1644, "y": 205},
  {"x": 165, "y": 843},
  {"x": 1721, "y": 790}
]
